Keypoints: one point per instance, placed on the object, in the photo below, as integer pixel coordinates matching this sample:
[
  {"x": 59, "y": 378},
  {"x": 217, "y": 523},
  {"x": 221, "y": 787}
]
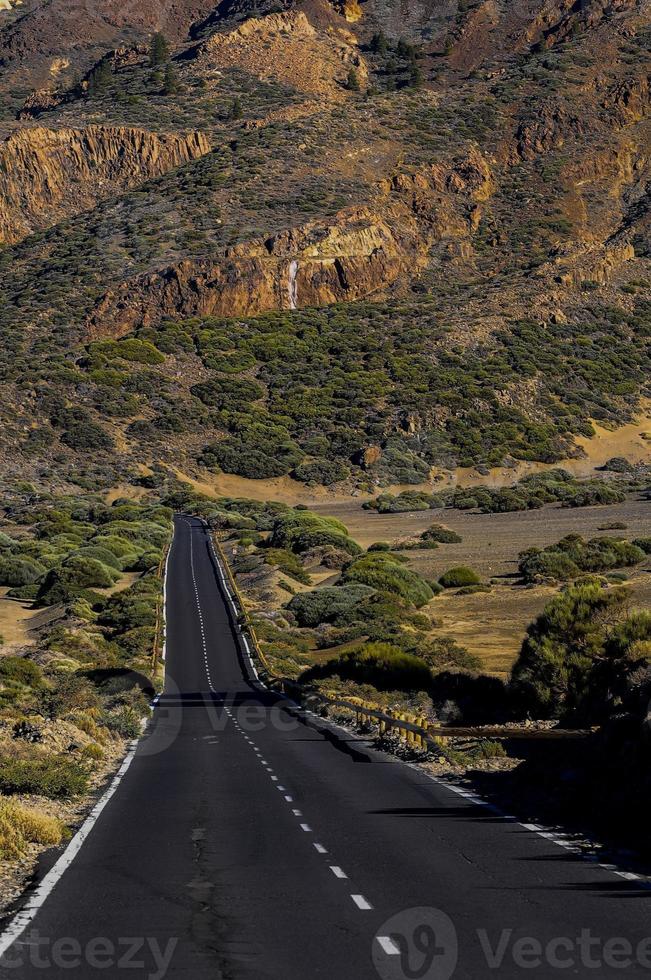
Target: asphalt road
[{"x": 248, "y": 840}]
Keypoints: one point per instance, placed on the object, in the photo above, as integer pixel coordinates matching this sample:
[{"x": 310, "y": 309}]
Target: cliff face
[
  {"x": 310, "y": 266},
  {"x": 361, "y": 252},
  {"x": 48, "y": 174}
]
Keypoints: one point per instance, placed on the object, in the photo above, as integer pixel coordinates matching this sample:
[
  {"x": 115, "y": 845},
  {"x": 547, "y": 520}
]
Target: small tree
[
  {"x": 171, "y": 81},
  {"x": 416, "y": 77},
  {"x": 235, "y": 111},
  {"x": 405, "y": 50},
  {"x": 99, "y": 78},
  {"x": 580, "y": 653},
  {"x": 159, "y": 50},
  {"x": 352, "y": 82},
  {"x": 379, "y": 43}
]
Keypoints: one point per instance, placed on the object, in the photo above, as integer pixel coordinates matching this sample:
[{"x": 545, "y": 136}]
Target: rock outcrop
[
  {"x": 48, "y": 174},
  {"x": 310, "y": 266},
  {"x": 287, "y": 48},
  {"x": 362, "y": 251}
]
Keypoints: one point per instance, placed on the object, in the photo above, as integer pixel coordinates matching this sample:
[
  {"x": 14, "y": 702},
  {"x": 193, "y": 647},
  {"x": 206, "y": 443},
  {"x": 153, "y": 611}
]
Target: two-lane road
[{"x": 248, "y": 840}]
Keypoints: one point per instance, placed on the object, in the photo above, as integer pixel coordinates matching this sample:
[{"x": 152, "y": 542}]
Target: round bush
[
  {"x": 384, "y": 572},
  {"x": 333, "y": 604},
  {"x": 15, "y": 571},
  {"x": 386, "y": 667},
  {"x": 459, "y": 576},
  {"x": 322, "y": 471},
  {"x": 441, "y": 534},
  {"x": 86, "y": 435}
]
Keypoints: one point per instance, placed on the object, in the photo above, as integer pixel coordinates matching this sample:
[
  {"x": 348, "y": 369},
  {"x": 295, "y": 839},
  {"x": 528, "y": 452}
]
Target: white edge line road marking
[
  {"x": 167, "y": 561},
  {"x": 22, "y": 918},
  {"x": 388, "y": 945},
  {"x": 361, "y": 902}
]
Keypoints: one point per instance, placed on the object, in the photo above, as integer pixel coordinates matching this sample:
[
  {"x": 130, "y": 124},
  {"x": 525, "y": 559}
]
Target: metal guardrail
[{"x": 416, "y": 730}]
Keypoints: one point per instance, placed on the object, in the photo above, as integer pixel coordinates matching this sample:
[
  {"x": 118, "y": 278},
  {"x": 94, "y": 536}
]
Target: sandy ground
[
  {"x": 126, "y": 579},
  {"x": 492, "y": 625},
  {"x": 14, "y": 620},
  {"x": 626, "y": 441}
]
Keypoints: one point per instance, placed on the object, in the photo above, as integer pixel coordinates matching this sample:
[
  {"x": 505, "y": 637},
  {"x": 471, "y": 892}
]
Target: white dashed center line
[
  {"x": 337, "y": 871},
  {"x": 388, "y": 945},
  {"x": 361, "y": 902},
  {"x": 203, "y": 635}
]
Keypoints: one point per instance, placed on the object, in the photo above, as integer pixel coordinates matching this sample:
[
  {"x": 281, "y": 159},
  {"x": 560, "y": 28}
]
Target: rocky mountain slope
[
  {"x": 483, "y": 172},
  {"x": 48, "y": 174}
]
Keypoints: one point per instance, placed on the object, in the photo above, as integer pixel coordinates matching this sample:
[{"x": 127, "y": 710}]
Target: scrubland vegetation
[
  {"x": 81, "y": 685},
  {"x": 306, "y": 393},
  {"x": 372, "y": 625},
  {"x": 529, "y": 493}
]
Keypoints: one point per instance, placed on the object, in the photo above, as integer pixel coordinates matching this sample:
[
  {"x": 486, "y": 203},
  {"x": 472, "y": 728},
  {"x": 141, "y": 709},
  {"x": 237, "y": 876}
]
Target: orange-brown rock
[
  {"x": 287, "y": 48},
  {"x": 48, "y": 174},
  {"x": 370, "y": 456},
  {"x": 312, "y": 266},
  {"x": 363, "y": 251}
]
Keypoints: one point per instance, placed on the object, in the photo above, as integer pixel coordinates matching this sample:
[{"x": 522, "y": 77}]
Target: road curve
[{"x": 249, "y": 840}]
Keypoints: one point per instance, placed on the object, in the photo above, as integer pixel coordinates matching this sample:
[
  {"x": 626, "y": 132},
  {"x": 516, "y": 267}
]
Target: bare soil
[{"x": 492, "y": 625}]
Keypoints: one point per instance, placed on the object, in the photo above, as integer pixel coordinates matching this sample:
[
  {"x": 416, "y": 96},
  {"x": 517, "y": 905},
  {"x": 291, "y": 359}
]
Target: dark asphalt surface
[{"x": 200, "y": 848}]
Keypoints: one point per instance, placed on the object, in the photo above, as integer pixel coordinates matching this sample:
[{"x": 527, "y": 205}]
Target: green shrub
[
  {"x": 386, "y": 667},
  {"x": 536, "y": 565},
  {"x": 103, "y": 555},
  {"x": 53, "y": 776},
  {"x": 408, "y": 500},
  {"x": 300, "y": 531},
  {"x": 444, "y": 653},
  {"x": 146, "y": 562},
  {"x": 21, "y": 670},
  {"x": 76, "y": 574},
  {"x": 125, "y": 721},
  {"x": 441, "y": 535},
  {"x": 119, "y": 546},
  {"x": 16, "y": 571},
  {"x": 383, "y": 572},
  {"x": 332, "y": 604},
  {"x": 581, "y": 654},
  {"x": 572, "y": 555},
  {"x": 459, "y": 576},
  {"x": 322, "y": 471},
  {"x": 67, "y": 693},
  {"x": 87, "y": 435}
]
